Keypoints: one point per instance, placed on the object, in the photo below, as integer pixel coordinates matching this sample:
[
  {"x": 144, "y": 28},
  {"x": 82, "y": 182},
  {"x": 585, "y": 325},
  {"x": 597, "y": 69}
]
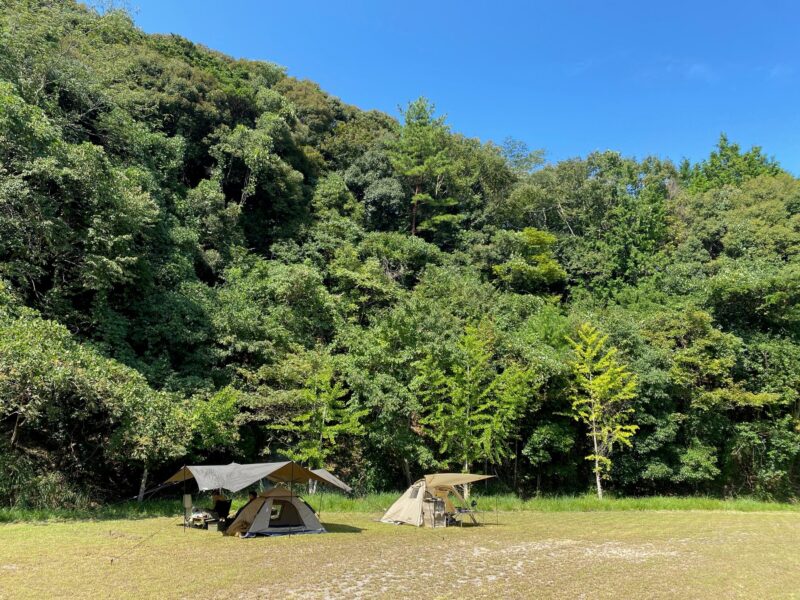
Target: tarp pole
[
  {"x": 422, "y": 505},
  {"x": 291, "y": 490},
  {"x": 183, "y": 498}
]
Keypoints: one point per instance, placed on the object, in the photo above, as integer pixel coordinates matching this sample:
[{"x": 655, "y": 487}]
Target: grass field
[
  {"x": 328, "y": 502},
  {"x": 528, "y": 554}
]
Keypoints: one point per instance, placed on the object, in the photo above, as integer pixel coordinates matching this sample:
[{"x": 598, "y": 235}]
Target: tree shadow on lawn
[
  {"x": 329, "y": 527},
  {"x": 341, "y": 528}
]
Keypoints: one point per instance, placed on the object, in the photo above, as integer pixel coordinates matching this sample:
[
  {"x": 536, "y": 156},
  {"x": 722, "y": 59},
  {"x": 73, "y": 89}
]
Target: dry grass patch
[{"x": 643, "y": 554}]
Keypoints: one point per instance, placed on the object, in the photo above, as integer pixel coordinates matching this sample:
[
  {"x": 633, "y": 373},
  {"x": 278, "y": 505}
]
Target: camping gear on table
[
  {"x": 427, "y": 502},
  {"x": 275, "y": 512},
  {"x": 202, "y": 518}
]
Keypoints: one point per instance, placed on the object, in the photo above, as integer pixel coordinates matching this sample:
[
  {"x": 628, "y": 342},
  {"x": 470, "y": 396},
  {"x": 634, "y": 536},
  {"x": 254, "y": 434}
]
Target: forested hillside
[{"x": 204, "y": 259}]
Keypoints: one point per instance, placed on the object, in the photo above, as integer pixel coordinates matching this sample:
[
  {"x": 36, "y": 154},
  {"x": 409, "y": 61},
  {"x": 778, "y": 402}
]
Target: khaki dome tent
[
  {"x": 427, "y": 502},
  {"x": 275, "y": 512}
]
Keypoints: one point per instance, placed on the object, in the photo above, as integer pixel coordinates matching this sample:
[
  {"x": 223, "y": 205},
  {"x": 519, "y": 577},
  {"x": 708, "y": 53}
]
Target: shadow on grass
[
  {"x": 340, "y": 528},
  {"x": 329, "y": 527}
]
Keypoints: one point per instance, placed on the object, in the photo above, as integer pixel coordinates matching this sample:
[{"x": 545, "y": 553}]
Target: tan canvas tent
[
  {"x": 275, "y": 512},
  {"x": 428, "y": 501}
]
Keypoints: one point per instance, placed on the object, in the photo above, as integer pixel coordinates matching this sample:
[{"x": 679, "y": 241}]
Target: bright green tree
[
  {"x": 602, "y": 388},
  {"x": 525, "y": 261}
]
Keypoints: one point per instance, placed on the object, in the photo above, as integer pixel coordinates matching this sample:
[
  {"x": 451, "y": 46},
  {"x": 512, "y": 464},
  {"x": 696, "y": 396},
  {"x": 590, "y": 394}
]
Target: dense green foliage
[{"x": 205, "y": 259}]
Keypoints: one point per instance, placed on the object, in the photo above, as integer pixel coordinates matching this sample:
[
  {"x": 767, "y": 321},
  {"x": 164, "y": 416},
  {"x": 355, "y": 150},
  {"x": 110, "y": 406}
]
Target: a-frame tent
[{"x": 416, "y": 505}]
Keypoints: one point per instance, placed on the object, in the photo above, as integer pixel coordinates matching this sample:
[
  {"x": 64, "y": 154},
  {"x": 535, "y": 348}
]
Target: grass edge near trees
[{"x": 379, "y": 502}]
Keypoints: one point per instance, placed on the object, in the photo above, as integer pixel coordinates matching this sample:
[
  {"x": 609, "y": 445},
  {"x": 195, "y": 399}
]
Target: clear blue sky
[{"x": 569, "y": 76}]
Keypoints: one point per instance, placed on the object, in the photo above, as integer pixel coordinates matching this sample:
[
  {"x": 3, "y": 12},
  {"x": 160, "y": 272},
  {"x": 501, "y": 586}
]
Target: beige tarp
[
  {"x": 451, "y": 479},
  {"x": 235, "y": 477}
]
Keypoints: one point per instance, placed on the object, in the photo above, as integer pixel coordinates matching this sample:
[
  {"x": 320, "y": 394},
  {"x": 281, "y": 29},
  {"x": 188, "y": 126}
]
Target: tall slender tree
[
  {"x": 322, "y": 419},
  {"x": 602, "y": 388}
]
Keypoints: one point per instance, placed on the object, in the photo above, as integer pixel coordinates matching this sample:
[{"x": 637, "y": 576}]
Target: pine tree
[{"x": 420, "y": 156}]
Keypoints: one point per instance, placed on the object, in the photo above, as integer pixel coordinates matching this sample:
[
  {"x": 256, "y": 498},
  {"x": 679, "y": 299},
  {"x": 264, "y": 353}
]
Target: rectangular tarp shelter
[{"x": 234, "y": 477}]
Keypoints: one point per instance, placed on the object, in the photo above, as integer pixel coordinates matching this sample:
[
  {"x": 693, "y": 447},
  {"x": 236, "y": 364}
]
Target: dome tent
[{"x": 275, "y": 512}]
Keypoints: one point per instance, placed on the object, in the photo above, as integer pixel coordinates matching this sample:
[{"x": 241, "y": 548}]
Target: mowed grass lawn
[{"x": 622, "y": 554}]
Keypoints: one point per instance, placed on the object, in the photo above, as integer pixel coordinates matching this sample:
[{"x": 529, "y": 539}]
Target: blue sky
[{"x": 568, "y": 76}]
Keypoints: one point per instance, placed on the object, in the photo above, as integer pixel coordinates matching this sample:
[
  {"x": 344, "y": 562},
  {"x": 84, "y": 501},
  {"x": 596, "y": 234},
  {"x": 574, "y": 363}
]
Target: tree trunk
[
  {"x": 15, "y": 433},
  {"x": 414, "y": 213},
  {"x": 407, "y": 471},
  {"x": 312, "y": 487},
  {"x": 142, "y": 485},
  {"x": 597, "y": 479},
  {"x": 466, "y": 485},
  {"x": 596, "y": 462}
]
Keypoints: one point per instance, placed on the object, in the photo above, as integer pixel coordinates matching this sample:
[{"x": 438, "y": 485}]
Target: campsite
[
  {"x": 399, "y": 299},
  {"x": 542, "y": 552},
  {"x": 435, "y": 535}
]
